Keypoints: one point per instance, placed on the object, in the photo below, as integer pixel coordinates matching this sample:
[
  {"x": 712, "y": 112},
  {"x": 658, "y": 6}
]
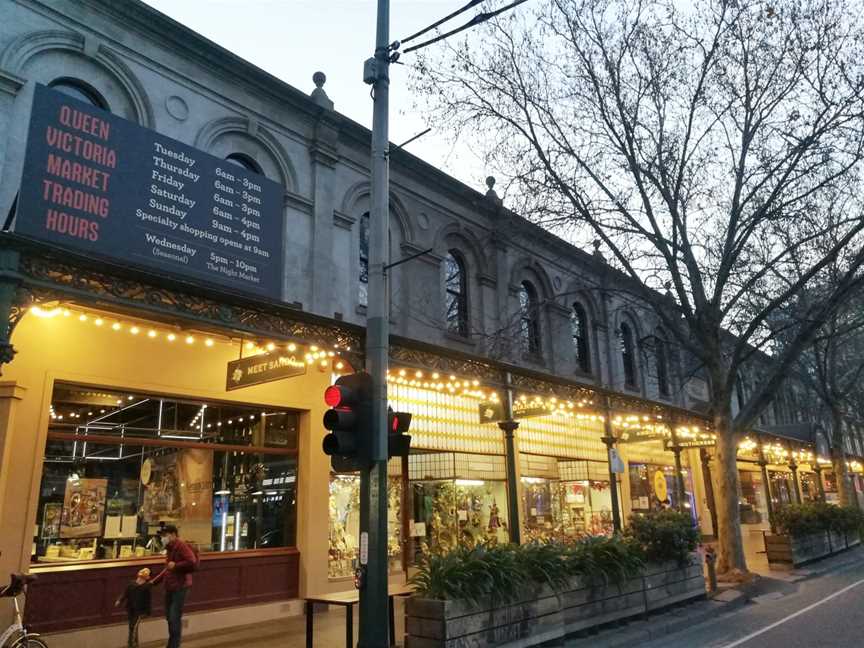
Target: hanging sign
[
  {"x": 263, "y": 368},
  {"x": 668, "y": 444},
  {"x": 103, "y": 185},
  {"x": 639, "y": 435},
  {"x": 494, "y": 412}
]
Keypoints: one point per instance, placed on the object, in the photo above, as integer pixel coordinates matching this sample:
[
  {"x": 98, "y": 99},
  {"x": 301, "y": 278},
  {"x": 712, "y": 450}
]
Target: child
[{"x": 137, "y": 600}]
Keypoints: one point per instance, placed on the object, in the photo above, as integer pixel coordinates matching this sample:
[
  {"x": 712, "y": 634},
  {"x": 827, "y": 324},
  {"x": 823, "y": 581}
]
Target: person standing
[
  {"x": 137, "y": 601},
  {"x": 180, "y": 561}
]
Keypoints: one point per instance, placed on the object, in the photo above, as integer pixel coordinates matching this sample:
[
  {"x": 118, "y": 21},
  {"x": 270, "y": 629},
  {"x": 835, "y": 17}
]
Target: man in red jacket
[{"x": 180, "y": 562}]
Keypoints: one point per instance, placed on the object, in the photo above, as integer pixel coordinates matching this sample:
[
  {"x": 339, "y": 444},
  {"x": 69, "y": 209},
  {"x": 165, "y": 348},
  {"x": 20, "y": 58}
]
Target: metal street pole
[
  {"x": 509, "y": 426},
  {"x": 374, "y": 626}
]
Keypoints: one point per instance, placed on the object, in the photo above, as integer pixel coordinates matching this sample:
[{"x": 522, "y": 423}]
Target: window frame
[
  {"x": 628, "y": 356},
  {"x": 529, "y": 319},
  {"x": 458, "y": 324},
  {"x": 91, "y": 94},
  {"x": 581, "y": 342},
  {"x": 661, "y": 359}
]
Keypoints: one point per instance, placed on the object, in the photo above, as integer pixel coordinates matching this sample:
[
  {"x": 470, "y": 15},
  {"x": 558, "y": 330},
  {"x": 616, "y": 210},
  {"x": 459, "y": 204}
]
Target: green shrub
[
  {"x": 664, "y": 535},
  {"x": 800, "y": 519},
  {"x": 505, "y": 572},
  {"x": 817, "y": 517},
  {"x": 601, "y": 560}
]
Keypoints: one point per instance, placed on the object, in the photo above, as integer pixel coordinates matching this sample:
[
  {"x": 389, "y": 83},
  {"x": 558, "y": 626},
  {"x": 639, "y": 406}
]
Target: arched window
[
  {"x": 244, "y": 162},
  {"x": 579, "y": 327},
  {"x": 529, "y": 322},
  {"x": 628, "y": 355},
  {"x": 364, "y": 259},
  {"x": 456, "y": 294},
  {"x": 662, "y": 365},
  {"x": 739, "y": 391},
  {"x": 81, "y": 91}
]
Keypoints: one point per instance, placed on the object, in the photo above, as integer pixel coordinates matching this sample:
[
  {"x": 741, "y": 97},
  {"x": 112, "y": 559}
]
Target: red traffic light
[{"x": 333, "y": 395}]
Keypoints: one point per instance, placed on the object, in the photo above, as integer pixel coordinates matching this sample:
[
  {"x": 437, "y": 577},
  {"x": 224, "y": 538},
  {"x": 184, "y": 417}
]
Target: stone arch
[
  {"x": 30, "y": 56},
  {"x": 357, "y": 201},
  {"x": 222, "y": 137},
  {"x": 467, "y": 243},
  {"x": 528, "y": 268}
]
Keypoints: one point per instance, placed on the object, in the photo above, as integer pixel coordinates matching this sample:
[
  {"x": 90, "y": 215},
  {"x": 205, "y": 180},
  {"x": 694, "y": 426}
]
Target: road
[{"x": 825, "y": 612}]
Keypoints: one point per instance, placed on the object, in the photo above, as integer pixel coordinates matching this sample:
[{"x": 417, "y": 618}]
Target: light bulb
[{"x": 171, "y": 337}]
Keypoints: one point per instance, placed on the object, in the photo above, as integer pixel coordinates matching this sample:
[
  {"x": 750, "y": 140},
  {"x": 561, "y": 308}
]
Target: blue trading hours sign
[{"x": 103, "y": 185}]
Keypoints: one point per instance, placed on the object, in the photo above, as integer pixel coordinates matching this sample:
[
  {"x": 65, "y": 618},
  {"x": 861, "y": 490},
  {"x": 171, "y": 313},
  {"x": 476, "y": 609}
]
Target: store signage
[
  {"x": 494, "y": 412},
  {"x": 668, "y": 444},
  {"x": 639, "y": 435},
  {"x": 263, "y": 368},
  {"x": 660, "y": 488},
  {"x": 616, "y": 464},
  {"x": 106, "y": 186}
]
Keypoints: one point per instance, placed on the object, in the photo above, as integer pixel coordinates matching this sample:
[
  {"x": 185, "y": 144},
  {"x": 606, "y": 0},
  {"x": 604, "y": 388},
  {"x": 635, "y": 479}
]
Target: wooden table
[{"x": 347, "y": 600}]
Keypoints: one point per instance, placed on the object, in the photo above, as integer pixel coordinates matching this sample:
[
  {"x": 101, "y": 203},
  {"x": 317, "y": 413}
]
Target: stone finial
[
  {"x": 319, "y": 96},
  {"x": 597, "y": 253},
  {"x": 668, "y": 287},
  {"x": 491, "y": 194}
]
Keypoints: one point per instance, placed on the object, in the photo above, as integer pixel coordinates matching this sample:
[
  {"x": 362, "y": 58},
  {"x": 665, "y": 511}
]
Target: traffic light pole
[{"x": 374, "y": 625}]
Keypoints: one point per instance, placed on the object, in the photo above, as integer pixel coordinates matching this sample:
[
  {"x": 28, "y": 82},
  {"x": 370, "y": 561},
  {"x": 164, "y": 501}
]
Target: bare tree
[
  {"x": 685, "y": 139},
  {"x": 833, "y": 369}
]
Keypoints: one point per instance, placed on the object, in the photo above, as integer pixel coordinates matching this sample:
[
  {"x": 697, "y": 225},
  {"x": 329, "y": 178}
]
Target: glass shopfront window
[
  {"x": 752, "y": 505},
  {"x": 541, "y": 502},
  {"x": 832, "y": 495},
  {"x": 344, "y": 533},
  {"x": 458, "y": 512},
  {"x": 782, "y": 488},
  {"x": 456, "y": 499},
  {"x": 648, "y": 482},
  {"x": 809, "y": 486},
  {"x": 118, "y": 466}
]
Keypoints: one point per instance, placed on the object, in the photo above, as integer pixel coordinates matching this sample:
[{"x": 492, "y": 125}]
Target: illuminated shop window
[{"x": 118, "y": 465}]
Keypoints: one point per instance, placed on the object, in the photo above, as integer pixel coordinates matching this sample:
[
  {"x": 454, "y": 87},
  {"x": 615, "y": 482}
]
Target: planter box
[
  {"x": 547, "y": 615},
  {"x": 785, "y": 551}
]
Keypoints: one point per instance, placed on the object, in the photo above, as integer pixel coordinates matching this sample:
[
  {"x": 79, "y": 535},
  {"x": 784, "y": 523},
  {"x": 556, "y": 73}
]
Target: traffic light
[
  {"x": 398, "y": 443},
  {"x": 349, "y": 421}
]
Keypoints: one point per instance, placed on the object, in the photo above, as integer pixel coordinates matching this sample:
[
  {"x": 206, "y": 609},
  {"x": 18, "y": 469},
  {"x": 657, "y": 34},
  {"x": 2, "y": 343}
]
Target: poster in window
[
  {"x": 180, "y": 487},
  {"x": 83, "y": 508},
  {"x": 51, "y": 519},
  {"x": 196, "y": 470}
]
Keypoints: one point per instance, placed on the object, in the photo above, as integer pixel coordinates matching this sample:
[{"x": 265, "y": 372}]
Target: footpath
[{"x": 330, "y": 625}]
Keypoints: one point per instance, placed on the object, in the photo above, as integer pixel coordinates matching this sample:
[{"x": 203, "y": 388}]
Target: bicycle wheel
[{"x": 29, "y": 642}]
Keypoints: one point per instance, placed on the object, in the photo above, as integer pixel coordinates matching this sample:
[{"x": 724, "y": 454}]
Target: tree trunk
[
  {"x": 731, "y": 562},
  {"x": 838, "y": 460}
]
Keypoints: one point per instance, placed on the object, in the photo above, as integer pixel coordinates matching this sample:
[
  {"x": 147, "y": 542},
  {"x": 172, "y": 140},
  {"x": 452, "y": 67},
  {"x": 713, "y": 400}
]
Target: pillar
[
  {"x": 817, "y": 468},
  {"x": 793, "y": 466},
  {"x": 767, "y": 486},
  {"x": 609, "y": 440}
]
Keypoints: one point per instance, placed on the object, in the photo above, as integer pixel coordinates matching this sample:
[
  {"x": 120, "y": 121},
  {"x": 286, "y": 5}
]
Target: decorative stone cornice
[
  {"x": 10, "y": 83},
  {"x": 343, "y": 220}
]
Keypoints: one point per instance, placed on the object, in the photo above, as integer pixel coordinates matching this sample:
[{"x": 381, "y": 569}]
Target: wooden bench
[{"x": 347, "y": 600}]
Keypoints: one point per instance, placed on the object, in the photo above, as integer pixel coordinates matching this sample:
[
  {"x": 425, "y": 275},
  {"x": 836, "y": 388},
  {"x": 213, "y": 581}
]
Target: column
[
  {"x": 767, "y": 486},
  {"x": 609, "y": 440},
  {"x": 508, "y": 427},
  {"x": 817, "y": 468},
  {"x": 679, "y": 477},
  {"x": 793, "y": 466}
]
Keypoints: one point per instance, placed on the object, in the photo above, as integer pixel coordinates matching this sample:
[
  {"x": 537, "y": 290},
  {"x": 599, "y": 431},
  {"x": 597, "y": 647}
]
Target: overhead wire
[{"x": 476, "y": 20}]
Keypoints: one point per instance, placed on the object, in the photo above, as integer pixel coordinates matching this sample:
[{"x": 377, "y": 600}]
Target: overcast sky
[{"x": 292, "y": 39}]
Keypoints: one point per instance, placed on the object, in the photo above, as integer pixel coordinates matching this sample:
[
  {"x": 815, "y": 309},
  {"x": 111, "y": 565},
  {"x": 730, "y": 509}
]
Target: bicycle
[{"x": 16, "y": 635}]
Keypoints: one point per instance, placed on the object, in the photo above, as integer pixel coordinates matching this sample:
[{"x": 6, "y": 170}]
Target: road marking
[{"x": 792, "y": 616}]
